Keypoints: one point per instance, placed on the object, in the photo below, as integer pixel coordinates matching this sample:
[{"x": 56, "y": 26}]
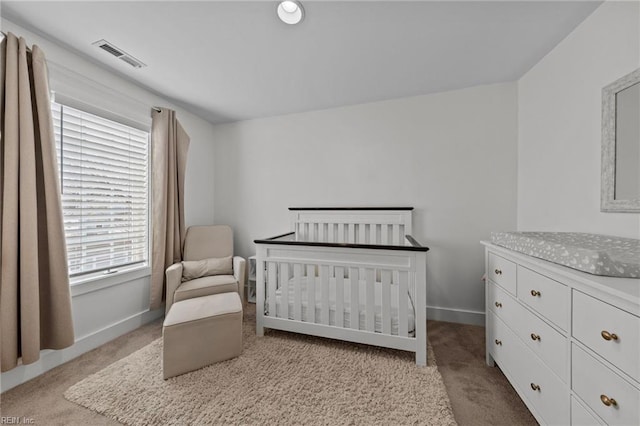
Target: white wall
[
  {"x": 559, "y": 119},
  {"x": 451, "y": 155},
  {"x": 106, "y": 309}
]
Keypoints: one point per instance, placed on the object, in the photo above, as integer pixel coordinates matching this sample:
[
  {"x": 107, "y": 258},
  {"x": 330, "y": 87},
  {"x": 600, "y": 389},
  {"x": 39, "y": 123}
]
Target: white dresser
[{"x": 569, "y": 342}]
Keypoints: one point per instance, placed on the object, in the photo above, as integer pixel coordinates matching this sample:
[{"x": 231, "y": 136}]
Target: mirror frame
[{"x": 608, "y": 203}]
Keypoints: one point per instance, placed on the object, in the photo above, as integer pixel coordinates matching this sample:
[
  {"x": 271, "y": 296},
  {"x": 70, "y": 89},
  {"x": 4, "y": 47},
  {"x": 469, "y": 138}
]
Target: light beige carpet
[{"x": 282, "y": 378}]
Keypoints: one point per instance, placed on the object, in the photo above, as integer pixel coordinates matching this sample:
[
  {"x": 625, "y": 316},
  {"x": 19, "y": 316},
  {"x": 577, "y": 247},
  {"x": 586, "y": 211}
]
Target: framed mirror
[{"x": 620, "y": 187}]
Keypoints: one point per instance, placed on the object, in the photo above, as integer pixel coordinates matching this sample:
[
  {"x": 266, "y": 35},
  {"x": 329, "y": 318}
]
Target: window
[{"x": 104, "y": 184}]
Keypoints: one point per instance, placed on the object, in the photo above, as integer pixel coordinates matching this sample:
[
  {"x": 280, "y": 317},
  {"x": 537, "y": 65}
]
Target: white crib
[{"x": 352, "y": 274}]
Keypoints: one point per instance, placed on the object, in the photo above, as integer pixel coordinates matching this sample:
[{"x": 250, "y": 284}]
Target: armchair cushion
[
  {"x": 202, "y": 242},
  {"x": 206, "y": 286},
  {"x": 206, "y": 267}
]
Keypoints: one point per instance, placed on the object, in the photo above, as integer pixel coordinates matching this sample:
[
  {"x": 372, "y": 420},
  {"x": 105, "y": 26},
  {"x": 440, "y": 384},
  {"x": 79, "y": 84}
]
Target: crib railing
[
  {"x": 300, "y": 284},
  {"x": 380, "y": 226},
  {"x": 339, "y": 288}
]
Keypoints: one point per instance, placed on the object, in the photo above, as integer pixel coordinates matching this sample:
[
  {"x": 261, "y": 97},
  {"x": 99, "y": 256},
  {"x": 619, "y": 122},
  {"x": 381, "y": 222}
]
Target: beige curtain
[
  {"x": 169, "y": 146},
  {"x": 35, "y": 303}
]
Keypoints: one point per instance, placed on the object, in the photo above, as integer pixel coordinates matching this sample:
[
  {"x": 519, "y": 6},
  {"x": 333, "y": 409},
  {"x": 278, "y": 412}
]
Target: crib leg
[
  {"x": 421, "y": 356},
  {"x": 259, "y": 320},
  {"x": 421, "y": 337},
  {"x": 259, "y": 325},
  {"x": 421, "y": 309}
]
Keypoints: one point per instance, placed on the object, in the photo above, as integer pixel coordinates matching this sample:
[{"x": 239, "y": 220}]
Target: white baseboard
[
  {"x": 50, "y": 359},
  {"x": 462, "y": 316}
]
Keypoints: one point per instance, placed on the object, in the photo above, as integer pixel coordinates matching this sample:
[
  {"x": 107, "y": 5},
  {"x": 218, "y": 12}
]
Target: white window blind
[{"x": 104, "y": 183}]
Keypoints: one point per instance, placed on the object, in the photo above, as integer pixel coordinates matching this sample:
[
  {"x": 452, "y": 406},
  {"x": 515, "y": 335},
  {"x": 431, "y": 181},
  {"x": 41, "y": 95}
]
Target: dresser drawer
[
  {"x": 593, "y": 319},
  {"x": 502, "y": 303},
  {"x": 546, "y": 392},
  {"x": 544, "y": 295},
  {"x": 580, "y": 416},
  {"x": 551, "y": 399},
  {"x": 540, "y": 337},
  {"x": 593, "y": 382},
  {"x": 550, "y": 346},
  {"x": 503, "y": 344},
  {"x": 502, "y": 272}
]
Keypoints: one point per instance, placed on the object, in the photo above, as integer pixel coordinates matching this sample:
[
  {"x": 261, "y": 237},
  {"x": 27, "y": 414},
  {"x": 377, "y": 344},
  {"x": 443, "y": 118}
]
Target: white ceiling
[{"x": 229, "y": 61}]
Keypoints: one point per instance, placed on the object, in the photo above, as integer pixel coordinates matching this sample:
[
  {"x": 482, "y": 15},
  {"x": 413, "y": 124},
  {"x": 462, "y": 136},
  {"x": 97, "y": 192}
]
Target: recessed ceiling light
[{"x": 290, "y": 12}]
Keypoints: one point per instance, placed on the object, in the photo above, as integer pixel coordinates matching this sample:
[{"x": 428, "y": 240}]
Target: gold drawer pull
[
  {"x": 498, "y": 305},
  {"x": 535, "y": 293},
  {"x": 498, "y": 272},
  {"x": 608, "y": 401},
  {"x": 498, "y": 342},
  {"x": 535, "y": 387},
  {"x": 608, "y": 336},
  {"x": 534, "y": 336}
]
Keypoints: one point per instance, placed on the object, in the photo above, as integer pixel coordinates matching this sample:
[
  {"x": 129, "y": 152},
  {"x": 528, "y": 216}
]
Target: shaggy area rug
[{"x": 281, "y": 378}]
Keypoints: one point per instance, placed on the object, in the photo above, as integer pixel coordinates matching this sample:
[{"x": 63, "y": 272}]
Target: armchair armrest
[
  {"x": 173, "y": 276},
  {"x": 240, "y": 273}
]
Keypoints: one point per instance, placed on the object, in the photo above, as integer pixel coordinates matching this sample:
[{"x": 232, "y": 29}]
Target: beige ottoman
[{"x": 201, "y": 331}]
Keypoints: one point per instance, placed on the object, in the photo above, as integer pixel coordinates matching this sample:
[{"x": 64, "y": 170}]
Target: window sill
[{"x": 83, "y": 285}]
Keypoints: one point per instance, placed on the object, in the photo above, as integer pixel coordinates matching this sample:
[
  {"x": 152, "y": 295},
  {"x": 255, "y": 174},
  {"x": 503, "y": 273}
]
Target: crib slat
[
  {"x": 324, "y": 295},
  {"x": 272, "y": 283},
  {"x": 331, "y": 230},
  {"x": 341, "y": 238},
  {"x": 372, "y": 233},
  {"x": 311, "y": 293},
  {"x": 339, "y": 274},
  {"x": 297, "y": 283},
  {"x": 385, "y": 276},
  {"x": 321, "y": 233},
  {"x": 403, "y": 295},
  {"x": 284, "y": 290},
  {"x": 354, "y": 285},
  {"x": 396, "y": 234},
  {"x": 371, "y": 294},
  {"x": 352, "y": 233},
  {"x": 384, "y": 234},
  {"x": 362, "y": 239}
]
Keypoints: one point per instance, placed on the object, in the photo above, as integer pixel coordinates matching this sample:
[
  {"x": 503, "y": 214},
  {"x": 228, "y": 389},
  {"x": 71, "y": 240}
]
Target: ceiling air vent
[
  {"x": 109, "y": 48},
  {"x": 119, "y": 53}
]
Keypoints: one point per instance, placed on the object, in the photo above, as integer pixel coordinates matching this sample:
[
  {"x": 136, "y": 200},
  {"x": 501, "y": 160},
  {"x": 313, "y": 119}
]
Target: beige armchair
[{"x": 204, "y": 242}]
